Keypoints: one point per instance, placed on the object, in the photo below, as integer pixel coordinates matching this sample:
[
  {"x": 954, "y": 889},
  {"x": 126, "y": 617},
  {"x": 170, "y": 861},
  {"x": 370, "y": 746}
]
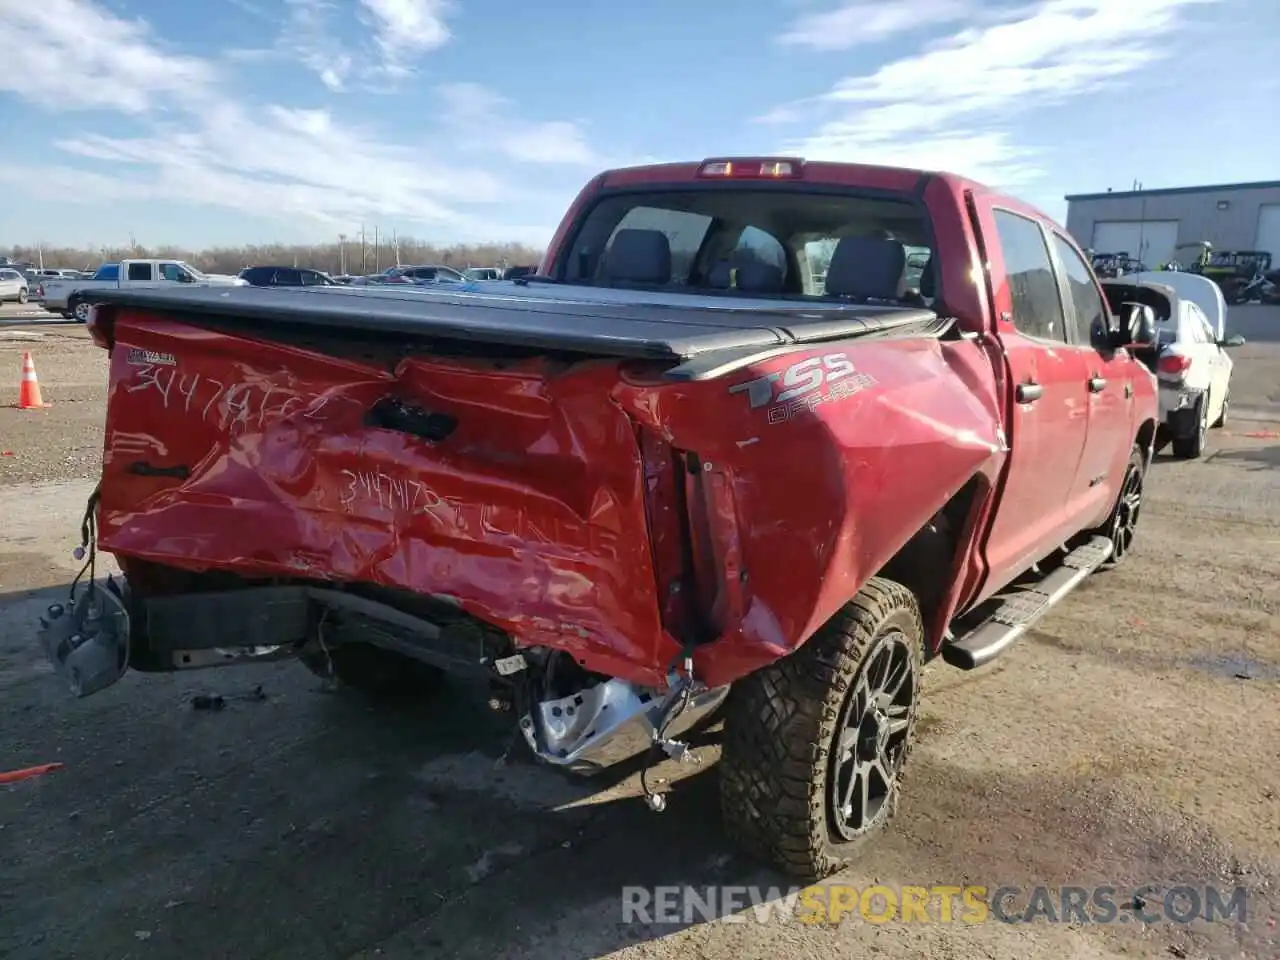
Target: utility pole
[
  {"x": 364, "y": 252},
  {"x": 342, "y": 254},
  {"x": 377, "y": 251}
]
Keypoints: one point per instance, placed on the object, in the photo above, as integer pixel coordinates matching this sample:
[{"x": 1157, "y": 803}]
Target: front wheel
[
  {"x": 815, "y": 743},
  {"x": 1121, "y": 527},
  {"x": 80, "y": 310},
  {"x": 1222, "y": 417}
]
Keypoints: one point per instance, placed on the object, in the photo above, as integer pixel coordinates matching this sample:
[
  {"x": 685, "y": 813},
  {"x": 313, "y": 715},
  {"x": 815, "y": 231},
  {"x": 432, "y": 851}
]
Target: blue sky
[{"x": 203, "y": 122}]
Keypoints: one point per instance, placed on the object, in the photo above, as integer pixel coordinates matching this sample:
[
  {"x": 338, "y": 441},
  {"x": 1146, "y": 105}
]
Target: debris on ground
[
  {"x": 217, "y": 701},
  {"x": 27, "y": 773}
]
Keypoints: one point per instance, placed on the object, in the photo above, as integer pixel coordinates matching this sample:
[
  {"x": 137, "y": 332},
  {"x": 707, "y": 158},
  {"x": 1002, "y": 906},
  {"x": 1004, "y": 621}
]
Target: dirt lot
[{"x": 1134, "y": 739}]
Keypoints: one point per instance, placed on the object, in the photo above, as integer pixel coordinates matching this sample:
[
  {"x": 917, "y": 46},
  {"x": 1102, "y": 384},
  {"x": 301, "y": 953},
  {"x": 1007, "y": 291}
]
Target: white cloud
[
  {"x": 855, "y": 24},
  {"x": 401, "y": 32},
  {"x": 57, "y": 52},
  {"x": 407, "y": 28},
  {"x": 210, "y": 146},
  {"x": 953, "y": 105},
  {"x": 482, "y": 118}
]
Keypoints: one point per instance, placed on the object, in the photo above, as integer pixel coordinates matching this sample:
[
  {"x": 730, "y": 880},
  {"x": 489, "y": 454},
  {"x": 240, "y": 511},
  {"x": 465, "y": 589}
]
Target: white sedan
[
  {"x": 13, "y": 285},
  {"x": 1190, "y": 361}
]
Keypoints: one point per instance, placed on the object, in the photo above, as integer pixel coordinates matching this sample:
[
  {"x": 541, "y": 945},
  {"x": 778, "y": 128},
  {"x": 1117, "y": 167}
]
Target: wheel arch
[{"x": 933, "y": 563}]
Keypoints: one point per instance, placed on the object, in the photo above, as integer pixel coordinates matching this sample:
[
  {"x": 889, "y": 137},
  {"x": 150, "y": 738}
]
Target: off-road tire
[
  {"x": 781, "y": 727},
  {"x": 1193, "y": 447},
  {"x": 372, "y": 671},
  {"x": 1125, "y": 512}
]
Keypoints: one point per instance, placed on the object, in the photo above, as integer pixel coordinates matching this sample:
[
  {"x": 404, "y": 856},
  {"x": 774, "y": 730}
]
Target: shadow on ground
[{"x": 312, "y": 824}]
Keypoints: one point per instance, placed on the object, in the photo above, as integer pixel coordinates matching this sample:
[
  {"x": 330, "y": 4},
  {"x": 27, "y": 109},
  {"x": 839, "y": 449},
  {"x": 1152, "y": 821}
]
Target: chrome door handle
[
  {"x": 1029, "y": 392},
  {"x": 1097, "y": 384}
]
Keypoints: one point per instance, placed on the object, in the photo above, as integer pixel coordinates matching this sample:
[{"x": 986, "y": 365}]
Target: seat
[
  {"x": 867, "y": 268},
  {"x": 753, "y": 275},
  {"x": 638, "y": 256}
]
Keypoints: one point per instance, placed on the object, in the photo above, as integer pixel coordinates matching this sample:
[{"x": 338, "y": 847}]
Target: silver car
[{"x": 13, "y": 285}]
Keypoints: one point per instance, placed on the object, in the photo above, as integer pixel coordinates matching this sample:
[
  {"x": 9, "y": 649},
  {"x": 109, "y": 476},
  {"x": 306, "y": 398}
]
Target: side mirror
[
  {"x": 1137, "y": 327},
  {"x": 1235, "y": 341}
]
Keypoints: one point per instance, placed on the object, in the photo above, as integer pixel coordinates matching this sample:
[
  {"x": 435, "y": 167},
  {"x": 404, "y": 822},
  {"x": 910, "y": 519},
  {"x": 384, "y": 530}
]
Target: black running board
[{"x": 1020, "y": 611}]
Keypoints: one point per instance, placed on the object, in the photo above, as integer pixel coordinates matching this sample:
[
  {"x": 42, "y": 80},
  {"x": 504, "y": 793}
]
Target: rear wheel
[
  {"x": 79, "y": 310},
  {"x": 373, "y": 671},
  {"x": 22, "y": 294},
  {"x": 815, "y": 744},
  {"x": 1192, "y": 447}
]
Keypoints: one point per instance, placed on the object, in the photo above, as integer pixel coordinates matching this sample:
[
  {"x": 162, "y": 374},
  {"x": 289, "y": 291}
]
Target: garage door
[
  {"x": 1269, "y": 231},
  {"x": 1152, "y": 242}
]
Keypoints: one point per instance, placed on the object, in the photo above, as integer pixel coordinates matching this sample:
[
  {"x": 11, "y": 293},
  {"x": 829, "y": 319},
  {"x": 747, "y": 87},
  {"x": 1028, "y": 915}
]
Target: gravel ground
[{"x": 1109, "y": 747}]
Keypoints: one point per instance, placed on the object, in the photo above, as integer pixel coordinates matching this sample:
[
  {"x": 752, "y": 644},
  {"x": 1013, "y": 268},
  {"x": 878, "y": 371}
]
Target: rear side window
[
  {"x": 139, "y": 271},
  {"x": 258, "y": 276},
  {"x": 1037, "y": 307},
  {"x": 1089, "y": 312},
  {"x": 312, "y": 279}
]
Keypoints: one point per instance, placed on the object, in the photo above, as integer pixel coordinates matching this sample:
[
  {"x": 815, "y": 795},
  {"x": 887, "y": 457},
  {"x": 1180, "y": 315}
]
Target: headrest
[
  {"x": 639, "y": 256},
  {"x": 867, "y": 267},
  {"x": 928, "y": 283},
  {"x": 754, "y": 275}
]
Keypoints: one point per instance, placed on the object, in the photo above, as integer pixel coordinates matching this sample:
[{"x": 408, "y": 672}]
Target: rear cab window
[
  {"x": 817, "y": 243},
  {"x": 139, "y": 271},
  {"x": 1037, "y": 305}
]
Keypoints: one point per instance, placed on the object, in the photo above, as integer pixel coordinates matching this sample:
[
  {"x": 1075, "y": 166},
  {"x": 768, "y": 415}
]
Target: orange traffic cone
[{"x": 29, "y": 391}]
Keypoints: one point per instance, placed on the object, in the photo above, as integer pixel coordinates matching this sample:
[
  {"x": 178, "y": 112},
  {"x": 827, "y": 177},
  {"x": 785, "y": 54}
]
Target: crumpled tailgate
[{"x": 517, "y": 493}]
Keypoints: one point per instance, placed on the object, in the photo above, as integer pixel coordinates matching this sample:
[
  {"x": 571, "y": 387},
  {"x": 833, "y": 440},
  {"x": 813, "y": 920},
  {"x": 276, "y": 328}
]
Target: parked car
[
  {"x": 515, "y": 273},
  {"x": 285, "y": 277},
  {"x": 671, "y": 481},
  {"x": 482, "y": 273},
  {"x": 13, "y": 285},
  {"x": 1189, "y": 358},
  {"x": 68, "y": 296},
  {"x": 430, "y": 273}
]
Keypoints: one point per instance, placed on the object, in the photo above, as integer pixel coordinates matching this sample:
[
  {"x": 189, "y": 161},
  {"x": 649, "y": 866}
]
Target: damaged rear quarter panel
[
  {"x": 827, "y": 483},
  {"x": 531, "y": 512}
]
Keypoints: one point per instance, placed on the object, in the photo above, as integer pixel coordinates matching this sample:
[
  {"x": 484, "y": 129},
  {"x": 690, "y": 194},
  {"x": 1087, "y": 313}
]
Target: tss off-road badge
[{"x": 804, "y": 385}]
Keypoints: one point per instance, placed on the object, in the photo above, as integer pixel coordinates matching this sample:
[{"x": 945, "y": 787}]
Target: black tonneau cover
[{"x": 630, "y": 324}]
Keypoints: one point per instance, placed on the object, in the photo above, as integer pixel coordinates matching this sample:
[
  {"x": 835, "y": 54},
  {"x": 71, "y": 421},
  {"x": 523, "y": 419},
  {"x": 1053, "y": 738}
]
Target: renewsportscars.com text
[{"x": 968, "y": 904}]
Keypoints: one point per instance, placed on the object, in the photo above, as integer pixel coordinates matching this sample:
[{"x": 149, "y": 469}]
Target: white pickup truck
[{"x": 64, "y": 296}]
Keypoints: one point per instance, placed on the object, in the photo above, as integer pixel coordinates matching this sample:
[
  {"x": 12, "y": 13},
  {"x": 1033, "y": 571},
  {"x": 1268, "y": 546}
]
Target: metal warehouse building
[{"x": 1149, "y": 224}]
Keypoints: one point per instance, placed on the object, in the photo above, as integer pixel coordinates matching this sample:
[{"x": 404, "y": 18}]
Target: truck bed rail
[{"x": 638, "y": 325}]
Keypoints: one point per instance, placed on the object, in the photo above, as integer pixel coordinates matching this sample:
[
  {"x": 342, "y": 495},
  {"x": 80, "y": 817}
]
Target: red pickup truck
[{"x": 723, "y": 456}]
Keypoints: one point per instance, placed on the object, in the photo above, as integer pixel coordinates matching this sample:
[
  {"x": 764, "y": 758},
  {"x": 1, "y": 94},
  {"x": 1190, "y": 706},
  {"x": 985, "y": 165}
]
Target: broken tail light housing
[
  {"x": 101, "y": 325},
  {"x": 758, "y": 168}
]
